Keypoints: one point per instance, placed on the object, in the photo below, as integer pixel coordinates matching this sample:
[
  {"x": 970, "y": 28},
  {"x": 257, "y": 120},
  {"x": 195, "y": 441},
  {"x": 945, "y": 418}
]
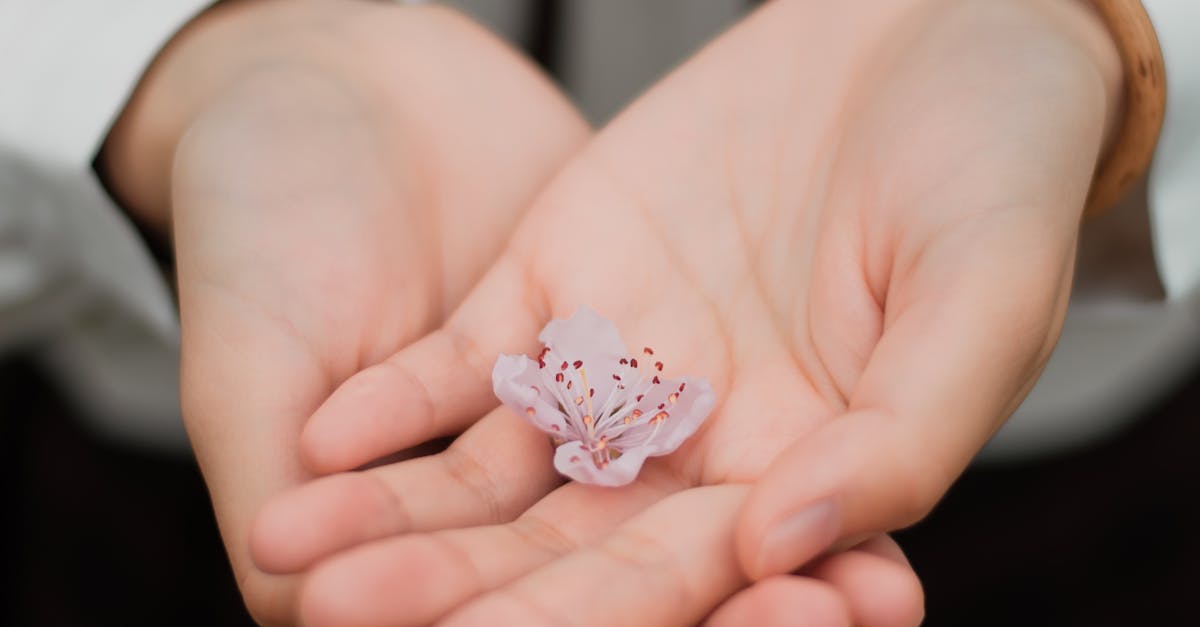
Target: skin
[
  {"x": 315, "y": 163},
  {"x": 868, "y": 251}
]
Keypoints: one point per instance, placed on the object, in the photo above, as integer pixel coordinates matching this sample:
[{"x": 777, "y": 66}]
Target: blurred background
[{"x": 99, "y": 530}]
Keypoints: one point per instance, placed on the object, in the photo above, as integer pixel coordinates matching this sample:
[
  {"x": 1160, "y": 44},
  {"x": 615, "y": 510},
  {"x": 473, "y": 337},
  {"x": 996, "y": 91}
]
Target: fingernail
[{"x": 798, "y": 538}]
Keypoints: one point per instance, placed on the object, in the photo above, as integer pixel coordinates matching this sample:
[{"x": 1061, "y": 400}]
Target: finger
[
  {"x": 415, "y": 579},
  {"x": 960, "y": 349},
  {"x": 492, "y": 473},
  {"x": 437, "y": 386},
  {"x": 876, "y": 583},
  {"x": 870, "y": 585},
  {"x": 669, "y": 565},
  {"x": 784, "y": 601}
]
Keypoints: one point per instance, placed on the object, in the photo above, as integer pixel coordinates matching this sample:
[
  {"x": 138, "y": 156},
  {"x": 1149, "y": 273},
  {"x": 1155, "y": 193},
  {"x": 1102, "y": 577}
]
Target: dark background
[{"x": 96, "y": 534}]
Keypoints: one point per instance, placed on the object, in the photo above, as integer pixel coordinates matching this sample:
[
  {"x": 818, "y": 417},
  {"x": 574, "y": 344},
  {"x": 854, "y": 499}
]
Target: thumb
[{"x": 966, "y": 336}]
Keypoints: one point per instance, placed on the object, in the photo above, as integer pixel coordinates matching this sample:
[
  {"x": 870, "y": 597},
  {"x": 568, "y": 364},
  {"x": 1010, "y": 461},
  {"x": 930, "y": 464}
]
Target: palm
[
  {"x": 822, "y": 239},
  {"x": 780, "y": 287}
]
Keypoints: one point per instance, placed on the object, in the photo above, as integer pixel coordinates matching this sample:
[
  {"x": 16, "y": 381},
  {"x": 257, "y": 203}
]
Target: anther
[{"x": 658, "y": 365}]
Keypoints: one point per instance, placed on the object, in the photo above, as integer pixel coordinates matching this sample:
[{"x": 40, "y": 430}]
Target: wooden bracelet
[{"x": 1145, "y": 102}]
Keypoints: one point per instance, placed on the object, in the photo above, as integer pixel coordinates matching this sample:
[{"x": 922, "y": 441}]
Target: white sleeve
[
  {"x": 76, "y": 281},
  {"x": 1174, "y": 183}
]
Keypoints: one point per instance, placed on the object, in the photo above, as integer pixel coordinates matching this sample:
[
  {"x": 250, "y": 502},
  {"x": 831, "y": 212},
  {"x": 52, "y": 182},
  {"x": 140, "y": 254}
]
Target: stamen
[{"x": 591, "y": 392}]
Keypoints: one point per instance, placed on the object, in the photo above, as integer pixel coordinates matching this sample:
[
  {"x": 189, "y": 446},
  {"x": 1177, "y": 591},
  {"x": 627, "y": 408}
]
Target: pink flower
[{"x": 607, "y": 411}]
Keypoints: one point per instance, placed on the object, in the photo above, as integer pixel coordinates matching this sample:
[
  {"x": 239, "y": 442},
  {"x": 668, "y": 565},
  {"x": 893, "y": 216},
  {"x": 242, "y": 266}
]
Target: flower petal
[
  {"x": 517, "y": 383},
  {"x": 687, "y": 413},
  {"x": 591, "y": 339},
  {"x": 586, "y": 334},
  {"x": 573, "y": 460}
]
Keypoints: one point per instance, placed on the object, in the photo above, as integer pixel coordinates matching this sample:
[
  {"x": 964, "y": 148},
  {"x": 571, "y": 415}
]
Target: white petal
[
  {"x": 584, "y": 335},
  {"x": 689, "y": 411},
  {"x": 574, "y": 461},
  {"x": 516, "y": 381},
  {"x": 694, "y": 405}
]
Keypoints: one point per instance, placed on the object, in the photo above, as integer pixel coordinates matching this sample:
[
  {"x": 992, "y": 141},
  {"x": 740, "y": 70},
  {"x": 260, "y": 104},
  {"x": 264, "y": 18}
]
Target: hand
[
  {"x": 339, "y": 174},
  {"x": 857, "y": 221}
]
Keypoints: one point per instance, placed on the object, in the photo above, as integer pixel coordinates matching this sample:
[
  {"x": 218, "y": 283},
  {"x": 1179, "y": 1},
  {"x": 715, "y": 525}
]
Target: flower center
[{"x": 623, "y": 421}]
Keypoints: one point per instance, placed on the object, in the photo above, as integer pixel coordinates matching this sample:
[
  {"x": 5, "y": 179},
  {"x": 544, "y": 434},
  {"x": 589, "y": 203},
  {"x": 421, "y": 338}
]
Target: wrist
[
  {"x": 1080, "y": 23},
  {"x": 208, "y": 58},
  {"x": 135, "y": 159}
]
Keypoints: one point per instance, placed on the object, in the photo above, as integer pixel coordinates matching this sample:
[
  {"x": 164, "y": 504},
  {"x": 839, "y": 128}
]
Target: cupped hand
[
  {"x": 857, "y": 220},
  {"x": 339, "y": 175}
]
